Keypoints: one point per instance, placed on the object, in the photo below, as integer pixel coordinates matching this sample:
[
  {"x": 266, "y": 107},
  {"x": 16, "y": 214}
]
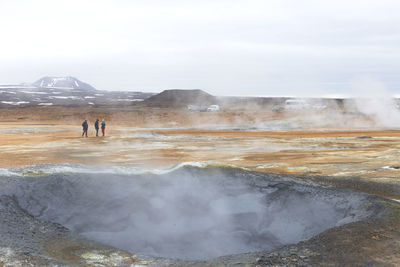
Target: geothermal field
[{"x": 183, "y": 178}]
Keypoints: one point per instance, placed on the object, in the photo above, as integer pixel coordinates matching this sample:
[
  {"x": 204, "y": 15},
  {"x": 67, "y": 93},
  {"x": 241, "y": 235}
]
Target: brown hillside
[{"x": 181, "y": 98}]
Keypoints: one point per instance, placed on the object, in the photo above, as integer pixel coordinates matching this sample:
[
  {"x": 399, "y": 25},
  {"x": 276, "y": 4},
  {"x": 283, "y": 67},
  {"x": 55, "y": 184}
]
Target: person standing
[
  {"x": 96, "y": 126},
  {"x": 103, "y": 127},
  {"x": 85, "y": 128}
]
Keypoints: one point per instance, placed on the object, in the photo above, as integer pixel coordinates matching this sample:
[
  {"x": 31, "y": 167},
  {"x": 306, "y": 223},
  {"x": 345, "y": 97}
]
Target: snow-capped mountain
[
  {"x": 67, "y": 82},
  {"x": 64, "y": 91}
]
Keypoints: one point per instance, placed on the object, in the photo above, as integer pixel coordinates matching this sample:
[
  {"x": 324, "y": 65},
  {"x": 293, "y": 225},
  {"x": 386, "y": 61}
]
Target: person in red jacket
[{"x": 103, "y": 127}]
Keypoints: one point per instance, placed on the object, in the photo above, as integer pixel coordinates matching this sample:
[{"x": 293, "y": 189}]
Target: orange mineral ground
[
  {"x": 316, "y": 148},
  {"x": 326, "y": 147}
]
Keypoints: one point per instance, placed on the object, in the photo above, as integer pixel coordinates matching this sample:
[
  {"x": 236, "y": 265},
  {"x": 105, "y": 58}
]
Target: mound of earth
[{"x": 181, "y": 98}]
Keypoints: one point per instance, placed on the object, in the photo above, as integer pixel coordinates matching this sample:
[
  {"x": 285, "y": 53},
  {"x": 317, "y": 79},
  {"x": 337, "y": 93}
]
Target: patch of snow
[
  {"x": 65, "y": 97},
  {"x": 32, "y": 92},
  {"x": 17, "y": 87},
  {"x": 133, "y": 100},
  {"x": 87, "y": 97},
  {"x": 55, "y": 87},
  {"x": 14, "y": 103},
  {"x": 45, "y": 104}
]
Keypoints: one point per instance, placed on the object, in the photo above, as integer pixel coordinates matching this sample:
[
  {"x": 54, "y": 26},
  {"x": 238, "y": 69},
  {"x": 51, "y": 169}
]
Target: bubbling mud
[{"x": 189, "y": 213}]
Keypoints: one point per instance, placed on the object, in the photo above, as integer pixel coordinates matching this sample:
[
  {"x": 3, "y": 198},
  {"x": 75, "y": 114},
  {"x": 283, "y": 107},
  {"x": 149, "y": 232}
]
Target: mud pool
[{"x": 189, "y": 213}]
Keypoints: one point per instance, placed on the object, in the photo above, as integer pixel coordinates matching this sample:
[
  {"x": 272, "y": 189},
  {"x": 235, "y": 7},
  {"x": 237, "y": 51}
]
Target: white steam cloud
[{"x": 374, "y": 100}]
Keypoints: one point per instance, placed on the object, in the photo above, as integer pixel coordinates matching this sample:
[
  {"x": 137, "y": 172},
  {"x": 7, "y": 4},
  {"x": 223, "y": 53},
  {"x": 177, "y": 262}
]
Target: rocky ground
[
  {"x": 27, "y": 241},
  {"x": 334, "y": 149}
]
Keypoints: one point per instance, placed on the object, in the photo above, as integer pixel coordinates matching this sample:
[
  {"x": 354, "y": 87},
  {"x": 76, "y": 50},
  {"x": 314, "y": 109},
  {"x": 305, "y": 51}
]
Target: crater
[{"x": 191, "y": 213}]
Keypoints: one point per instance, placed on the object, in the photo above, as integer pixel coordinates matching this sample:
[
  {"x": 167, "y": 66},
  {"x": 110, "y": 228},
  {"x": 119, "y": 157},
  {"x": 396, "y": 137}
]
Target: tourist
[
  {"x": 85, "y": 128},
  {"x": 103, "y": 127},
  {"x": 96, "y": 126}
]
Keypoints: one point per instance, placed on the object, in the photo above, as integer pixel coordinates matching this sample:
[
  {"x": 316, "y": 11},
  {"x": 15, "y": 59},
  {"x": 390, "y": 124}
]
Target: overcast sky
[{"x": 226, "y": 47}]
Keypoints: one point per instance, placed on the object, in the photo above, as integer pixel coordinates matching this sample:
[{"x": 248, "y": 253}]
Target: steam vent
[{"x": 187, "y": 216}]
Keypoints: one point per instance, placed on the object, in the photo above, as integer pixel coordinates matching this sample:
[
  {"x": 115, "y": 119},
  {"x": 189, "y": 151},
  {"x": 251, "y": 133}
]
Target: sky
[{"x": 225, "y": 47}]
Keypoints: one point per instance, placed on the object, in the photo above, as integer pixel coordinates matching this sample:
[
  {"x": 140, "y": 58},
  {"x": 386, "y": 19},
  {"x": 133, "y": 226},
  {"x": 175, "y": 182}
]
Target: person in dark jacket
[
  {"x": 103, "y": 127},
  {"x": 85, "y": 128},
  {"x": 96, "y": 126}
]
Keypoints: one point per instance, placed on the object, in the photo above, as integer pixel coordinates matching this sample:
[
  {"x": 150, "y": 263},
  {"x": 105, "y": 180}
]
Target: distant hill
[
  {"x": 181, "y": 98},
  {"x": 65, "y": 91},
  {"x": 67, "y": 82}
]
